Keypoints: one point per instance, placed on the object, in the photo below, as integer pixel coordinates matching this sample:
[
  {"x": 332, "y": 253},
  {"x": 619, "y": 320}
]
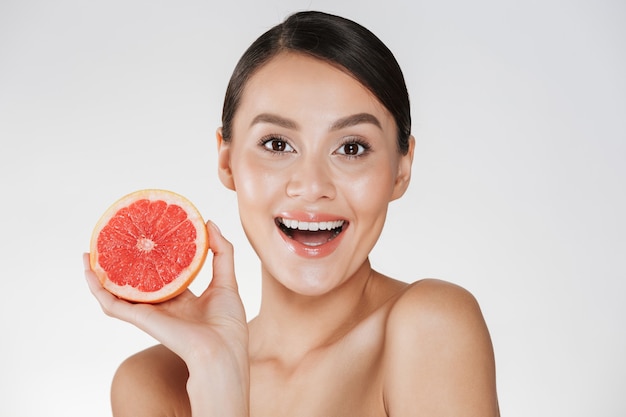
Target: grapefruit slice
[{"x": 149, "y": 246}]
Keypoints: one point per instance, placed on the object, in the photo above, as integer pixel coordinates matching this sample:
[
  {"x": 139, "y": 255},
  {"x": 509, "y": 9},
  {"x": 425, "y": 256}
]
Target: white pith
[
  {"x": 311, "y": 226},
  {"x": 145, "y": 245}
]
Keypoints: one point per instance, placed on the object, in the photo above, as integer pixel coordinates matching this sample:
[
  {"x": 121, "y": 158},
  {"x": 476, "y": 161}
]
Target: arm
[
  {"x": 208, "y": 333},
  {"x": 439, "y": 358}
]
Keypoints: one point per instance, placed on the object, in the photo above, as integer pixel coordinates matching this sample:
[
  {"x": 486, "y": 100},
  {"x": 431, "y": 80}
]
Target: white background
[{"x": 518, "y": 193}]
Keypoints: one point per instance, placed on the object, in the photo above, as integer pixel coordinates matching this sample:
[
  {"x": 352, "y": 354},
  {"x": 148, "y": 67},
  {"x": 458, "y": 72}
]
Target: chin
[{"x": 311, "y": 280}]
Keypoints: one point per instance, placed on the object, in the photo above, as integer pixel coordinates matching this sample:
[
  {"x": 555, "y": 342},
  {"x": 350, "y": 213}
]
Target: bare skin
[
  {"x": 333, "y": 337},
  {"x": 355, "y": 374}
]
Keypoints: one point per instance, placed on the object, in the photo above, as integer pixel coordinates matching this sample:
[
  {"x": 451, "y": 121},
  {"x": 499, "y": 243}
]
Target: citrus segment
[{"x": 149, "y": 246}]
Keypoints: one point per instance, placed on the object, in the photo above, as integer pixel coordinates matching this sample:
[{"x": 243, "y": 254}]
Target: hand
[{"x": 209, "y": 327}]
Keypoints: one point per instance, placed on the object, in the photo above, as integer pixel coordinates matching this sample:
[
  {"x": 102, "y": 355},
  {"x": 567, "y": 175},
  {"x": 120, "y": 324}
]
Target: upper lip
[{"x": 309, "y": 216}]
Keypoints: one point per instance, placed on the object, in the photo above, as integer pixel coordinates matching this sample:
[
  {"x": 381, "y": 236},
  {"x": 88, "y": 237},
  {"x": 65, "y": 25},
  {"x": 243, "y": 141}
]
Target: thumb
[{"x": 223, "y": 259}]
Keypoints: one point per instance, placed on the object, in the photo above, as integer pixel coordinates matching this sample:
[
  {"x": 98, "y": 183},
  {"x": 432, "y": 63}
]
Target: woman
[{"x": 315, "y": 142}]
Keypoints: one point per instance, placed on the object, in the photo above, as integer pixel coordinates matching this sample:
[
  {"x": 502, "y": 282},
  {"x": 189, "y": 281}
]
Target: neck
[{"x": 290, "y": 325}]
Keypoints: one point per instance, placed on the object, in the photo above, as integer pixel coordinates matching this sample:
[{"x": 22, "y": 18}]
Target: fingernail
[{"x": 214, "y": 227}]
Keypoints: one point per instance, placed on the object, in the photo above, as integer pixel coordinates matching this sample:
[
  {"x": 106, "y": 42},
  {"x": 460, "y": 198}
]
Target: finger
[
  {"x": 95, "y": 286},
  {"x": 223, "y": 259},
  {"x": 149, "y": 318},
  {"x": 111, "y": 305},
  {"x": 86, "y": 262}
]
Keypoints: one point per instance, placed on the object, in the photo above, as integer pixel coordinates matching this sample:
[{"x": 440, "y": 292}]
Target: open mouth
[{"x": 311, "y": 233}]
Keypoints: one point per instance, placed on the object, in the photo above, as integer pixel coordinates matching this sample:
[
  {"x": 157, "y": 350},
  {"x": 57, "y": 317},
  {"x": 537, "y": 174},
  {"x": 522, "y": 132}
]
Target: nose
[{"x": 311, "y": 180}]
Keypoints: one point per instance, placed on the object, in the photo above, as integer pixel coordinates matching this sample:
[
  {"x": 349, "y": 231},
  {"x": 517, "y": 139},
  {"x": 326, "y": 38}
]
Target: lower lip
[{"x": 312, "y": 251}]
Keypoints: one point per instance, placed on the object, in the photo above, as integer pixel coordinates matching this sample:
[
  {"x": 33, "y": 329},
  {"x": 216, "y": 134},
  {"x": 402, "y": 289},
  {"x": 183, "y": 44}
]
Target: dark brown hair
[{"x": 342, "y": 43}]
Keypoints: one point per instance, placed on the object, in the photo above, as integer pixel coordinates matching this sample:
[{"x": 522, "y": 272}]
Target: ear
[
  {"x": 404, "y": 171},
  {"x": 223, "y": 161}
]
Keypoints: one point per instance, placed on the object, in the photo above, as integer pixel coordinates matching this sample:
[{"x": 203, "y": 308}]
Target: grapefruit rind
[{"x": 186, "y": 276}]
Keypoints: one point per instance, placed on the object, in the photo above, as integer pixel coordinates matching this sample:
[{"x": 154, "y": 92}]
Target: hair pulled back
[{"x": 336, "y": 40}]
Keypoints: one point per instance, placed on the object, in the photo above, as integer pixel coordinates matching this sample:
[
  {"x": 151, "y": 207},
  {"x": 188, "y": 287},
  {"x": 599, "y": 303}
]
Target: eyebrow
[
  {"x": 356, "y": 119},
  {"x": 348, "y": 121},
  {"x": 275, "y": 120}
]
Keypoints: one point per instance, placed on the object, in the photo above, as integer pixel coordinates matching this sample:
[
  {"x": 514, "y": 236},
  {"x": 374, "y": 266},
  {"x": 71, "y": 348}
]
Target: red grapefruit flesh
[{"x": 149, "y": 246}]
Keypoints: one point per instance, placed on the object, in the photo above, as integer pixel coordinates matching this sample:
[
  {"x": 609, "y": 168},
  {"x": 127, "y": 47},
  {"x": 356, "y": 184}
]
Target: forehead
[{"x": 305, "y": 87}]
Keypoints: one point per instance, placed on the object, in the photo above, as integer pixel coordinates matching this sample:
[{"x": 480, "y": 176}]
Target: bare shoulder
[
  {"x": 150, "y": 383},
  {"x": 438, "y": 357},
  {"x": 430, "y": 314},
  {"x": 432, "y": 299}
]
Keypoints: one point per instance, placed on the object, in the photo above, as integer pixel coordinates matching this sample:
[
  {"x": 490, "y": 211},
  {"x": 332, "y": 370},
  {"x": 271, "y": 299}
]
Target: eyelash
[
  {"x": 264, "y": 141},
  {"x": 354, "y": 141},
  {"x": 270, "y": 138}
]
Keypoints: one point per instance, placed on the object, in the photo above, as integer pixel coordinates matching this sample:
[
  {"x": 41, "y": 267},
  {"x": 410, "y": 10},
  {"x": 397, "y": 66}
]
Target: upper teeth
[{"x": 311, "y": 226}]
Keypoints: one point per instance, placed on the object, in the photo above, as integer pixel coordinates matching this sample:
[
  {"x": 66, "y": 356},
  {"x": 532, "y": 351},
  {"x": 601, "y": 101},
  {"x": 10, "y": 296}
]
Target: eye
[
  {"x": 353, "y": 148},
  {"x": 276, "y": 144}
]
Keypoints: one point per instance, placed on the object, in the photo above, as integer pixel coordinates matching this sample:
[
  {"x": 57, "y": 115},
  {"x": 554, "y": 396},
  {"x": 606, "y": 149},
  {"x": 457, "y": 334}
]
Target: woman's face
[{"x": 314, "y": 161}]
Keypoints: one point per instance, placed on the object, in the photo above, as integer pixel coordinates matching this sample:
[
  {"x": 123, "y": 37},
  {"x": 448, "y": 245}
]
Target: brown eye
[
  {"x": 352, "y": 149},
  {"x": 277, "y": 145}
]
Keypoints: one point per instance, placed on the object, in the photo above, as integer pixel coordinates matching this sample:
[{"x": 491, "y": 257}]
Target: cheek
[
  {"x": 369, "y": 194},
  {"x": 253, "y": 182}
]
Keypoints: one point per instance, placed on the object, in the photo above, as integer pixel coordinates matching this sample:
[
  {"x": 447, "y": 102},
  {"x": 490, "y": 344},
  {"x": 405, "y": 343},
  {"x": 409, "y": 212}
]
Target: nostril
[{"x": 311, "y": 184}]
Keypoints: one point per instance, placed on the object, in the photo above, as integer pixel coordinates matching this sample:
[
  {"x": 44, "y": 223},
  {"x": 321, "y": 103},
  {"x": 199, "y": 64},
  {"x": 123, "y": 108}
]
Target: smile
[{"x": 311, "y": 234}]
